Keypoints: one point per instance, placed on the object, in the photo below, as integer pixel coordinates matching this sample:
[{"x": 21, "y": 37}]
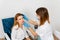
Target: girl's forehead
[{"x": 20, "y": 17}]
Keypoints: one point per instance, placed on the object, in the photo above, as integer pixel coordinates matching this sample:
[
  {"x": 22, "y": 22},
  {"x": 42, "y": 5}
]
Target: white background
[{"x": 8, "y": 8}]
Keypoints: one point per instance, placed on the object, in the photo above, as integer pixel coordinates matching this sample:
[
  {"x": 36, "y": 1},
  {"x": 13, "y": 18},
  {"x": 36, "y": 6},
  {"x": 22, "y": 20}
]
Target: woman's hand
[{"x": 55, "y": 38}]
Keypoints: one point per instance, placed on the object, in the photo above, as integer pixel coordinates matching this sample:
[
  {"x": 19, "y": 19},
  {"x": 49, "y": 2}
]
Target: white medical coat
[{"x": 45, "y": 32}]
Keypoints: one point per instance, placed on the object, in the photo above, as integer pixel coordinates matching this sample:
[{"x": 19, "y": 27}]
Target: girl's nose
[{"x": 22, "y": 20}]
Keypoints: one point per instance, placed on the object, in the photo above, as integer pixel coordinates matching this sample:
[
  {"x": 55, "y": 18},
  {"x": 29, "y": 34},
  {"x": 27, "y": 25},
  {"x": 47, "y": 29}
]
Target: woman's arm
[
  {"x": 55, "y": 38},
  {"x": 29, "y": 20},
  {"x": 33, "y": 32},
  {"x": 33, "y": 22}
]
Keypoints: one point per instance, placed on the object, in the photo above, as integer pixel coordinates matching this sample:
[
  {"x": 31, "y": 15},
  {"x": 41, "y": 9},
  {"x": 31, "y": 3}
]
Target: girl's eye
[
  {"x": 19, "y": 19},
  {"x": 22, "y": 18}
]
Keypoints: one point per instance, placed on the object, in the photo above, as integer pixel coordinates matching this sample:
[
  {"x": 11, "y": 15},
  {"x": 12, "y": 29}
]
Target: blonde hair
[{"x": 15, "y": 19}]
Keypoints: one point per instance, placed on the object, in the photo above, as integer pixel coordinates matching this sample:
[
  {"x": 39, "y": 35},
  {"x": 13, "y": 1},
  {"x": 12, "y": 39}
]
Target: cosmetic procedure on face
[{"x": 18, "y": 30}]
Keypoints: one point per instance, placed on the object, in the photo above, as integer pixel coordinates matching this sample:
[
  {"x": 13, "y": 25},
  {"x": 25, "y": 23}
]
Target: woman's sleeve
[{"x": 13, "y": 34}]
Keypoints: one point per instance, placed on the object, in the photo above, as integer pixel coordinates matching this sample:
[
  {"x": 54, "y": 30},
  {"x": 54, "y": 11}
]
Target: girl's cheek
[{"x": 23, "y": 21}]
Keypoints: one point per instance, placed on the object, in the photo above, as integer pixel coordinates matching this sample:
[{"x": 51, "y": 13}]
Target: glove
[
  {"x": 26, "y": 25},
  {"x": 25, "y": 17}
]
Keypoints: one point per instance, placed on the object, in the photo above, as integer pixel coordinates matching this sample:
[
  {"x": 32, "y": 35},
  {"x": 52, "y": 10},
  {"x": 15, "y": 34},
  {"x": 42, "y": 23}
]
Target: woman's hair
[
  {"x": 15, "y": 18},
  {"x": 43, "y": 13}
]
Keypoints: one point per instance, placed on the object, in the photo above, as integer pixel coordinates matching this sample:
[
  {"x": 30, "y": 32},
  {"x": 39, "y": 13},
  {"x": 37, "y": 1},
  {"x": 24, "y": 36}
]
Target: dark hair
[{"x": 43, "y": 13}]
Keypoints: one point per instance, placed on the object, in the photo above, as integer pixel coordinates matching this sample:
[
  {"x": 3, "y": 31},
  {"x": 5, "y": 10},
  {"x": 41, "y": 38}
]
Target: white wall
[{"x": 9, "y": 8}]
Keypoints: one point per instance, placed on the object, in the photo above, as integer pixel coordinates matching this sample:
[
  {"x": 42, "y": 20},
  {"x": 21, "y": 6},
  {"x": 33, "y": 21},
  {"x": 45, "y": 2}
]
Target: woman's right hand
[{"x": 37, "y": 37}]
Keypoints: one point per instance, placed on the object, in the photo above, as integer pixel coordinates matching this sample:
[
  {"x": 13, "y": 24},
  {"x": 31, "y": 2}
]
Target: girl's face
[{"x": 20, "y": 19}]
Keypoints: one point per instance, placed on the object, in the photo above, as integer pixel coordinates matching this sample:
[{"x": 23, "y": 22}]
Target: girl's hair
[
  {"x": 15, "y": 19},
  {"x": 43, "y": 13}
]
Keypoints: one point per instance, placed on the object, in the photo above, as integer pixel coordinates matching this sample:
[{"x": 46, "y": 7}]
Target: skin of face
[{"x": 20, "y": 20}]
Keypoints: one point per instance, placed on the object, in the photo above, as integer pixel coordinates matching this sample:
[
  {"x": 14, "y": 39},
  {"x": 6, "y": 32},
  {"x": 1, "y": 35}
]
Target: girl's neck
[{"x": 20, "y": 26}]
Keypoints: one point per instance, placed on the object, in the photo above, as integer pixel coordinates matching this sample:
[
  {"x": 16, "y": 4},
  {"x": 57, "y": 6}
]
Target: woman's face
[{"x": 20, "y": 19}]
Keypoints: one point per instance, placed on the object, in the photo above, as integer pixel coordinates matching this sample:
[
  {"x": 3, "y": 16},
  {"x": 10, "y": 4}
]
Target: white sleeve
[{"x": 13, "y": 34}]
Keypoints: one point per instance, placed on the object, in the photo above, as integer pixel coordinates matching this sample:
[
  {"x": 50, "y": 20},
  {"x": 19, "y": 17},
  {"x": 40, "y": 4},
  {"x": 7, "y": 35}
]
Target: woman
[
  {"x": 44, "y": 29},
  {"x": 18, "y": 30},
  {"x": 44, "y": 25}
]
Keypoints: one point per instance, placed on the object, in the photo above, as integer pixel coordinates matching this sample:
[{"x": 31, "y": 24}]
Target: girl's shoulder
[{"x": 15, "y": 27}]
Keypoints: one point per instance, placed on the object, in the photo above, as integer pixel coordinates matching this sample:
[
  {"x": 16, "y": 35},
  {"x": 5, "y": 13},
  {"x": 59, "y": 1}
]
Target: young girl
[
  {"x": 18, "y": 30},
  {"x": 44, "y": 30}
]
